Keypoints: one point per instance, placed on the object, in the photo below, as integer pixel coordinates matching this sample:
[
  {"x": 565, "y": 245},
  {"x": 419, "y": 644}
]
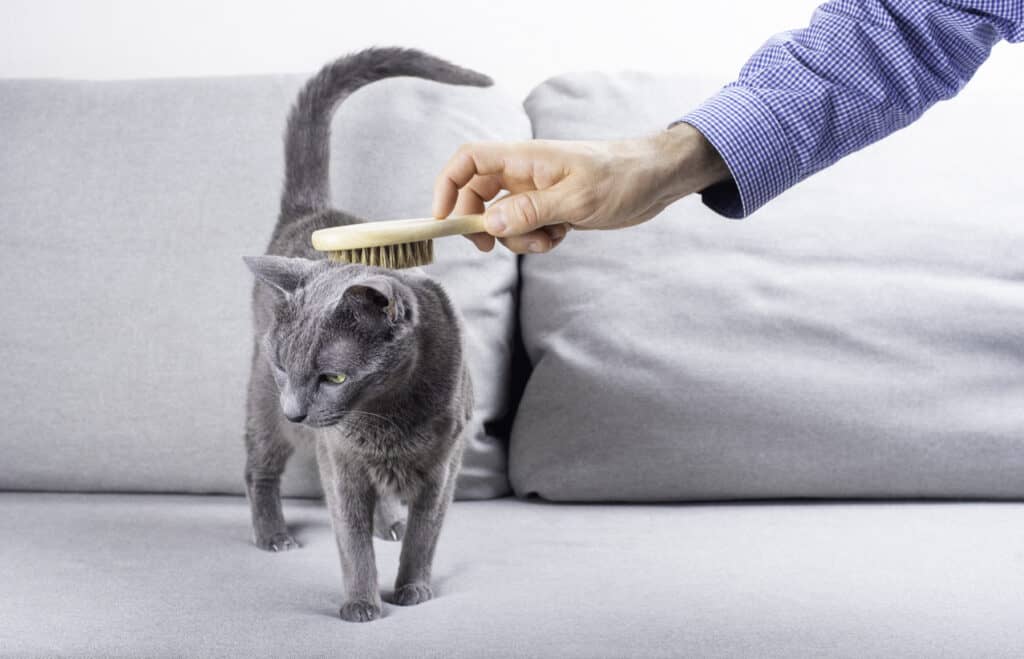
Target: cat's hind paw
[
  {"x": 358, "y": 611},
  {"x": 389, "y": 518},
  {"x": 412, "y": 594},
  {"x": 278, "y": 542},
  {"x": 395, "y": 533}
]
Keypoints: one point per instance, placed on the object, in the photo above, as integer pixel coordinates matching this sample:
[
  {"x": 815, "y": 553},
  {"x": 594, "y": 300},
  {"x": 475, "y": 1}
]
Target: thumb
[{"x": 524, "y": 212}]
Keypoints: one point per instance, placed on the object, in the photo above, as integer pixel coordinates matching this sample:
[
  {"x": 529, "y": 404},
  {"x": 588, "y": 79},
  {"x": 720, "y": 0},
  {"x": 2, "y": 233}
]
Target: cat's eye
[{"x": 335, "y": 378}]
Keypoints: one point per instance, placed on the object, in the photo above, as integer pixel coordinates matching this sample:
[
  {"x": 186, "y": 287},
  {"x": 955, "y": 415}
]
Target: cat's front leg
[
  {"x": 351, "y": 498},
  {"x": 266, "y": 455},
  {"x": 426, "y": 516}
]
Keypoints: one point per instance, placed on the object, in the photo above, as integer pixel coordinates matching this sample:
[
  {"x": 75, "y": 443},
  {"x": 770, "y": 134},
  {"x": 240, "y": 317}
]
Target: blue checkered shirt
[{"x": 861, "y": 70}]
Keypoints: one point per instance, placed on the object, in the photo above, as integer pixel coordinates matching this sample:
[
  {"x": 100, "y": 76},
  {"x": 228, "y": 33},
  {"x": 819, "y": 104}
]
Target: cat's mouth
[{"x": 324, "y": 423}]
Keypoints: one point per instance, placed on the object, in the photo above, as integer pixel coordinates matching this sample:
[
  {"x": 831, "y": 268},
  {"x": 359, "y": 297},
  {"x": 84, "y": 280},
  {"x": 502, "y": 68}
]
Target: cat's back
[
  {"x": 443, "y": 332},
  {"x": 434, "y": 297},
  {"x": 292, "y": 237}
]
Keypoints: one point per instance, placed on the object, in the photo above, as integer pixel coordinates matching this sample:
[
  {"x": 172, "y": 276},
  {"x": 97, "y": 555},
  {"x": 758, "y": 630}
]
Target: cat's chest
[
  {"x": 394, "y": 475},
  {"x": 391, "y": 459}
]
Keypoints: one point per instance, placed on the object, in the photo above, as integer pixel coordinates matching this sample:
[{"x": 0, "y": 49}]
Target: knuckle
[
  {"x": 534, "y": 242},
  {"x": 464, "y": 154},
  {"x": 471, "y": 148},
  {"x": 556, "y": 232},
  {"x": 514, "y": 246},
  {"x": 526, "y": 212}
]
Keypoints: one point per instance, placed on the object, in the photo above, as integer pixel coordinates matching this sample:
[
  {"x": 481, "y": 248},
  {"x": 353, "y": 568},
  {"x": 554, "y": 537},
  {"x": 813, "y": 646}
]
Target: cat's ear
[
  {"x": 281, "y": 272},
  {"x": 379, "y": 298}
]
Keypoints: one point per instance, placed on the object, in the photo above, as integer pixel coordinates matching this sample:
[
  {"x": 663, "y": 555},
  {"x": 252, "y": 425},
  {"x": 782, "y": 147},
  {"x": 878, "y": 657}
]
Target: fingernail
[
  {"x": 535, "y": 247},
  {"x": 495, "y": 221}
]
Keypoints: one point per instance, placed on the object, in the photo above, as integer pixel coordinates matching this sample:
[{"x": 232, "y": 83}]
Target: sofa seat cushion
[{"x": 164, "y": 575}]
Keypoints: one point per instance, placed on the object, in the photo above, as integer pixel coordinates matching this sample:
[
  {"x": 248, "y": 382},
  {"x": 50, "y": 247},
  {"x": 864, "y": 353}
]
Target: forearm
[{"x": 860, "y": 71}]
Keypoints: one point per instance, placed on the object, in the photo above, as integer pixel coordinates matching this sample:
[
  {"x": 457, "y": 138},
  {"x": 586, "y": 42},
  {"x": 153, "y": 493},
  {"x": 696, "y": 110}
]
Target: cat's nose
[{"x": 292, "y": 407}]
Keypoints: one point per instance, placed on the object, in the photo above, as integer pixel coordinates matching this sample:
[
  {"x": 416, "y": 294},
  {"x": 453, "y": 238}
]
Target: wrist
[{"x": 686, "y": 162}]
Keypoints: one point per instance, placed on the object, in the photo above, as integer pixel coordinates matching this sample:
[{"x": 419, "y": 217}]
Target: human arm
[{"x": 861, "y": 70}]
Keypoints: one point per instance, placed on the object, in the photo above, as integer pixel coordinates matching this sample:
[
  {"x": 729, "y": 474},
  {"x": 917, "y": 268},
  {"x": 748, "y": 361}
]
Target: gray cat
[{"x": 364, "y": 363}]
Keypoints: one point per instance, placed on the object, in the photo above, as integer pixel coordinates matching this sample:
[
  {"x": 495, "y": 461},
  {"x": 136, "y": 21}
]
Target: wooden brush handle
[{"x": 394, "y": 232}]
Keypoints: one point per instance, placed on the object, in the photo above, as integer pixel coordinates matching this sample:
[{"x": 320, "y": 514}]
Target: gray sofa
[{"x": 796, "y": 435}]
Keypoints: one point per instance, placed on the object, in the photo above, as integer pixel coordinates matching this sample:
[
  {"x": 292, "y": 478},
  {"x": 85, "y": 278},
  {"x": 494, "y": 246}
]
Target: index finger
[{"x": 469, "y": 161}]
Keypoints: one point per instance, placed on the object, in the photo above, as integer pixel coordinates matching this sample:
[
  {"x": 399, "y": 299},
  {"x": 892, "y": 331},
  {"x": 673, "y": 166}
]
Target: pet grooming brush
[{"x": 392, "y": 243}]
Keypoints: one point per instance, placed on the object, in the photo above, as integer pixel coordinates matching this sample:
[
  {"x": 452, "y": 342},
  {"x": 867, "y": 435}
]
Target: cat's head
[{"x": 341, "y": 335}]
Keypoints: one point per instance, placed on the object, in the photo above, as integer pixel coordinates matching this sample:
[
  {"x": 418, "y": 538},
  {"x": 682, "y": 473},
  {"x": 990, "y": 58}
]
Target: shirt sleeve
[{"x": 861, "y": 70}]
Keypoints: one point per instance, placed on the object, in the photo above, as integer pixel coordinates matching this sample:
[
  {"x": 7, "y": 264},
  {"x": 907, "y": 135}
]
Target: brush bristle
[{"x": 403, "y": 255}]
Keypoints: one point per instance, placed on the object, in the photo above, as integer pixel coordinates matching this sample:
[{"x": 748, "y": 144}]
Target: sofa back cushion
[
  {"x": 860, "y": 336},
  {"x": 126, "y": 208}
]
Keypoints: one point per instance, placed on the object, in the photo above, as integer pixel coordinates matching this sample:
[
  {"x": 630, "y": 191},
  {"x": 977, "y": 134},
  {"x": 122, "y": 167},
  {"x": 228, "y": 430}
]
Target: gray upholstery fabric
[
  {"x": 126, "y": 208},
  {"x": 159, "y": 576},
  {"x": 858, "y": 337}
]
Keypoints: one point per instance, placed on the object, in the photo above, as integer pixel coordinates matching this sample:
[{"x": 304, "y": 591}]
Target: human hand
[{"x": 554, "y": 185}]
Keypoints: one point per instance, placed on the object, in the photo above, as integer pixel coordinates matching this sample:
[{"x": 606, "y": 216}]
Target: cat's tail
[{"x": 307, "y": 137}]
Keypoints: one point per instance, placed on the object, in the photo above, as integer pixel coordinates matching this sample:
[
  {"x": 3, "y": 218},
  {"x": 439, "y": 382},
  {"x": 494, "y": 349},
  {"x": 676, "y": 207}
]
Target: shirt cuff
[{"x": 754, "y": 147}]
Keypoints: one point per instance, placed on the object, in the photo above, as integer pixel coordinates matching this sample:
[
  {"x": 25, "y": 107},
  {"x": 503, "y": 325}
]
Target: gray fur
[
  {"x": 392, "y": 432},
  {"x": 307, "y": 139}
]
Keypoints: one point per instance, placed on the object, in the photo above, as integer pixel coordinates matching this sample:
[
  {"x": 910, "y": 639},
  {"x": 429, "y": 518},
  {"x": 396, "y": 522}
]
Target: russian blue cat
[{"x": 366, "y": 364}]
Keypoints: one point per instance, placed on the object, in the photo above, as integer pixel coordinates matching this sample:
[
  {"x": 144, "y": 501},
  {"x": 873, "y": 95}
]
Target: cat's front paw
[
  {"x": 359, "y": 611},
  {"x": 412, "y": 594},
  {"x": 277, "y": 542}
]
